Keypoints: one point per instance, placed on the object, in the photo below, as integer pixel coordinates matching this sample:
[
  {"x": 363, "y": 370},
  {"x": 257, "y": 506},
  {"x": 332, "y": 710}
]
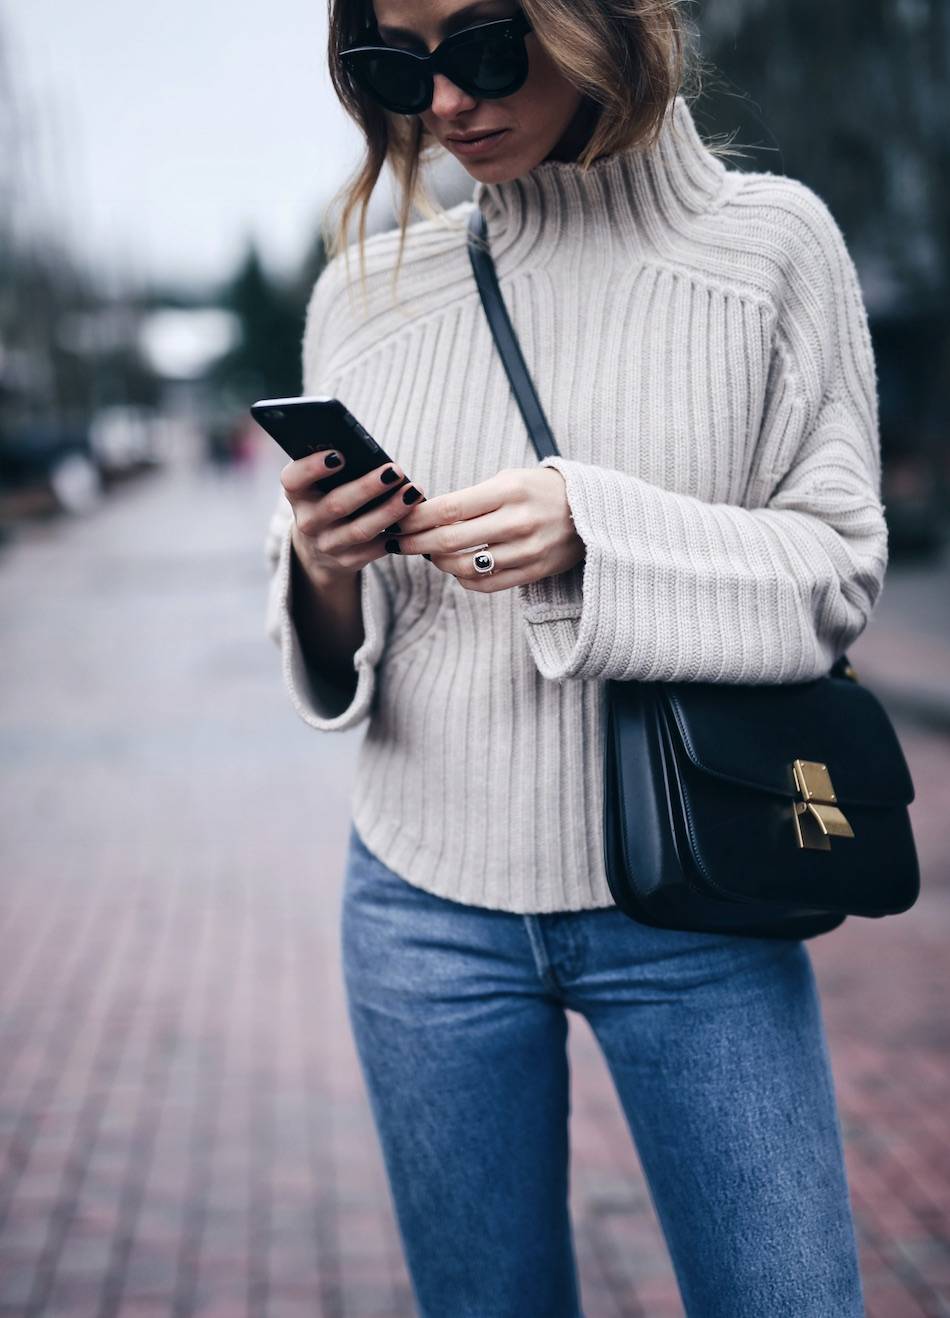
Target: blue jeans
[{"x": 715, "y": 1044}]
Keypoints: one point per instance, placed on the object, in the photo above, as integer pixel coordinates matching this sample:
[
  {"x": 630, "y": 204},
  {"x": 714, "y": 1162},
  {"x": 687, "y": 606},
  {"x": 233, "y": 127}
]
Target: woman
[{"x": 699, "y": 342}]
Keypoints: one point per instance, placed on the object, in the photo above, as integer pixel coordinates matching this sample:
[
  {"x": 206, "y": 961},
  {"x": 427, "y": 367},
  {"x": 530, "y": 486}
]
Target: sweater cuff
[
  {"x": 320, "y": 701},
  {"x": 675, "y": 589}
]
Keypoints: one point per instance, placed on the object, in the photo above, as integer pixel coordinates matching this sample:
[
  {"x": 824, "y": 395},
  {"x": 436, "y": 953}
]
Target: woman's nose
[{"x": 447, "y": 99}]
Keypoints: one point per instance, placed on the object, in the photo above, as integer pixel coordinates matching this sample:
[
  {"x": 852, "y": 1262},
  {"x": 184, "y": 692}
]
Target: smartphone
[{"x": 308, "y": 425}]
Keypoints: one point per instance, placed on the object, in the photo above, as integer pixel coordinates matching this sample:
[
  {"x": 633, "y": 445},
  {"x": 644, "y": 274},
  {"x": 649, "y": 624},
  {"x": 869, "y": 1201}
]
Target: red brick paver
[{"x": 183, "y": 1128}]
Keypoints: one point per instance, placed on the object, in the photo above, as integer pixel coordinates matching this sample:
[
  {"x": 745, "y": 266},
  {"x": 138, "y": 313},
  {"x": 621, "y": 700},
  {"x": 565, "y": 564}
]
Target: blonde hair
[{"x": 629, "y": 57}]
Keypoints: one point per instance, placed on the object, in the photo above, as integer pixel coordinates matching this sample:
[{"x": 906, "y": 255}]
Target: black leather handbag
[{"x": 771, "y": 811}]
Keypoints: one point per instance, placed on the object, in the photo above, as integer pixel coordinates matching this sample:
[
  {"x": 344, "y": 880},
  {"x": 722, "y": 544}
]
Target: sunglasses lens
[
  {"x": 484, "y": 64},
  {"x": 392, "y": 78},
  {"x": 489, "y": 66}
]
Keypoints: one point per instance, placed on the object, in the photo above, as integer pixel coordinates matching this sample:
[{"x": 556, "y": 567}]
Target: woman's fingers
[
  {"x": 301, "y": 473},
  {"x": 299, "y": 478},
  {"x": 336, "y": 535},
  {"x": 336, "y": 522},
  {"x": 348, "y": 499},
  {"x": 507, "y": 557},
  {"x": 509, "y": 569},
  {"x": 501, "y": 526},
  {"x": 488, "y": 585}
]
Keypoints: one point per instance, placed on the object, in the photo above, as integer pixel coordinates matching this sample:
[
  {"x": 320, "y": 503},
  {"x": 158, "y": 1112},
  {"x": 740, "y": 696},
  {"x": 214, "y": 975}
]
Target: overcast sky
[{"x": 170, "y": 131}]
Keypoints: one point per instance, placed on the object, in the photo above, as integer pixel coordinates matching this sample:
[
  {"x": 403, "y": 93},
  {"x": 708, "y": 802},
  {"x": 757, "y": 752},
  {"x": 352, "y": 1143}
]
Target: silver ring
[{"x": 483, "y": 561}]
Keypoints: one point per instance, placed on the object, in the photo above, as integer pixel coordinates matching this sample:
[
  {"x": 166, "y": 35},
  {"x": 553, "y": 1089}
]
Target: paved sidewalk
[{"x": 183, "y": 1128}]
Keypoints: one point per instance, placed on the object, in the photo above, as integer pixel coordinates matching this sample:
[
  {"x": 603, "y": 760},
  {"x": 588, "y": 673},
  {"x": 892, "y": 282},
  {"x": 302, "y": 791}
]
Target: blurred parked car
[
  {"x": 54, "y": 463},
  {"x": 56, "y": 466}
]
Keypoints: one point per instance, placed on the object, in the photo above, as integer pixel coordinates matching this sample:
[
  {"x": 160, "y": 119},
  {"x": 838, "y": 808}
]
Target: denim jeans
[{"x": 717, "y": 1050}]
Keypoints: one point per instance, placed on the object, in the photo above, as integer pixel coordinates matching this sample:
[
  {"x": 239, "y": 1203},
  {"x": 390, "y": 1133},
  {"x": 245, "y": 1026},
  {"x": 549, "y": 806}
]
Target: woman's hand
[
  {"x": 329, "y": 540},
  {"x": 522, "y": 514}
]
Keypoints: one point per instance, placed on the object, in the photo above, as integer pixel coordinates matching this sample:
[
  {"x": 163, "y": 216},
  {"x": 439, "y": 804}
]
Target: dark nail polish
[
  {"x": 389, "y": 476},
  {"x": 411, "y": 495},
  {"x": 393, "y": 529},
  {"x": 392, "y": 547},
  {"x": 333, "y": 459}
]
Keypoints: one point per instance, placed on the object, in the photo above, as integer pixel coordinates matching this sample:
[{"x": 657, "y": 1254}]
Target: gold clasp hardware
[{"x": 817, "y": 817}]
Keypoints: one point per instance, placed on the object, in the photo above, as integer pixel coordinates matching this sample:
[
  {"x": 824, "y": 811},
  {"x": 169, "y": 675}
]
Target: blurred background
[{"x": 183, "y": 1128}]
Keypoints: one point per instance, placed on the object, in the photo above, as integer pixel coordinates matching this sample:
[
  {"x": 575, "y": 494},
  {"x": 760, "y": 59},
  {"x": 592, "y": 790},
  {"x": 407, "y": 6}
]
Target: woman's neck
[{"x": 578, "y": 132}]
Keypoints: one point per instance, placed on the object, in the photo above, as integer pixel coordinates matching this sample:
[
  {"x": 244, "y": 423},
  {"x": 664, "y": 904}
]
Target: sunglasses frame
[{"x": 513, "y": 28}]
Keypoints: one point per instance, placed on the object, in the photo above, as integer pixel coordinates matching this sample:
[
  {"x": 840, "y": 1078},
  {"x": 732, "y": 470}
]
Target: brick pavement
[{"x": 182, "y": 1125}]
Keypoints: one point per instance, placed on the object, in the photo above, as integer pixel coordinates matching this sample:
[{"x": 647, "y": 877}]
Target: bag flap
[{"x": 751, "y": 735}]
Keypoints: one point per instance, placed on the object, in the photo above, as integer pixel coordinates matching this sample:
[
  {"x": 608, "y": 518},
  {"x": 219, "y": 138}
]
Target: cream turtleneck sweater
[{"x": 700, "y": 346}]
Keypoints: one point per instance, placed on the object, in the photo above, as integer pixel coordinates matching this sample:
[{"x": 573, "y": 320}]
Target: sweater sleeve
[
  {"x": 673, "y": 588},
  {"x": 319, "y": 700}
]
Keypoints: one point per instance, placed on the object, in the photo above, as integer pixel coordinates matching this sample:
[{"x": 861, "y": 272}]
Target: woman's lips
[{"x": 478, "y": 145}]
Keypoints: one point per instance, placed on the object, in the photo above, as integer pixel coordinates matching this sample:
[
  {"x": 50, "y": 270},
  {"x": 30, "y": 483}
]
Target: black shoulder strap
[{"x": 506, "y": 341}]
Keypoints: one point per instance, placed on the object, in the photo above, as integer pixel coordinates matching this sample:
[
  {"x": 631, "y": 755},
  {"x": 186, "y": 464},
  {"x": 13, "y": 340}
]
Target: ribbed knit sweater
[{"x": 700, "y": 346}]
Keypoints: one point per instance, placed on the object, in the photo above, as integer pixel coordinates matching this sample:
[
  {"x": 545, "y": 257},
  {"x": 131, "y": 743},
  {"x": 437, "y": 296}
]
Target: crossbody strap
[{"x": 506, "y": 341}]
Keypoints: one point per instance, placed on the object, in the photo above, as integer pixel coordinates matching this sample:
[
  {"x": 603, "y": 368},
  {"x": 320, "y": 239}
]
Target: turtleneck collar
[{"x": 630, "y": 196}]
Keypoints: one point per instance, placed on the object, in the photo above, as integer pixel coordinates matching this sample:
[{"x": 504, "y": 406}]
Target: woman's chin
[{"x": 497, "y": 168}]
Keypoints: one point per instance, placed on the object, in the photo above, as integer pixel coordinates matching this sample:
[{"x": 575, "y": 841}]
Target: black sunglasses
[{"x": 487, "y": 60}]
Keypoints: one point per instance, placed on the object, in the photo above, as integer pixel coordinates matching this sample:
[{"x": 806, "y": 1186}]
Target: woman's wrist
[{"x": 327, "y": 613}]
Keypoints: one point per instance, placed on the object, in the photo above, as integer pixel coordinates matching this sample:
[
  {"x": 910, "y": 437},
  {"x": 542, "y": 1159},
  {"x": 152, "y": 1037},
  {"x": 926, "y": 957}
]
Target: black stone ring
[{"x": 484, "y": 560}]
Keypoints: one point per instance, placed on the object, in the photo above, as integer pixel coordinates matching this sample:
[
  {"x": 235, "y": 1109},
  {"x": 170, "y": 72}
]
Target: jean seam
[{"x": 539, "y": 952}]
